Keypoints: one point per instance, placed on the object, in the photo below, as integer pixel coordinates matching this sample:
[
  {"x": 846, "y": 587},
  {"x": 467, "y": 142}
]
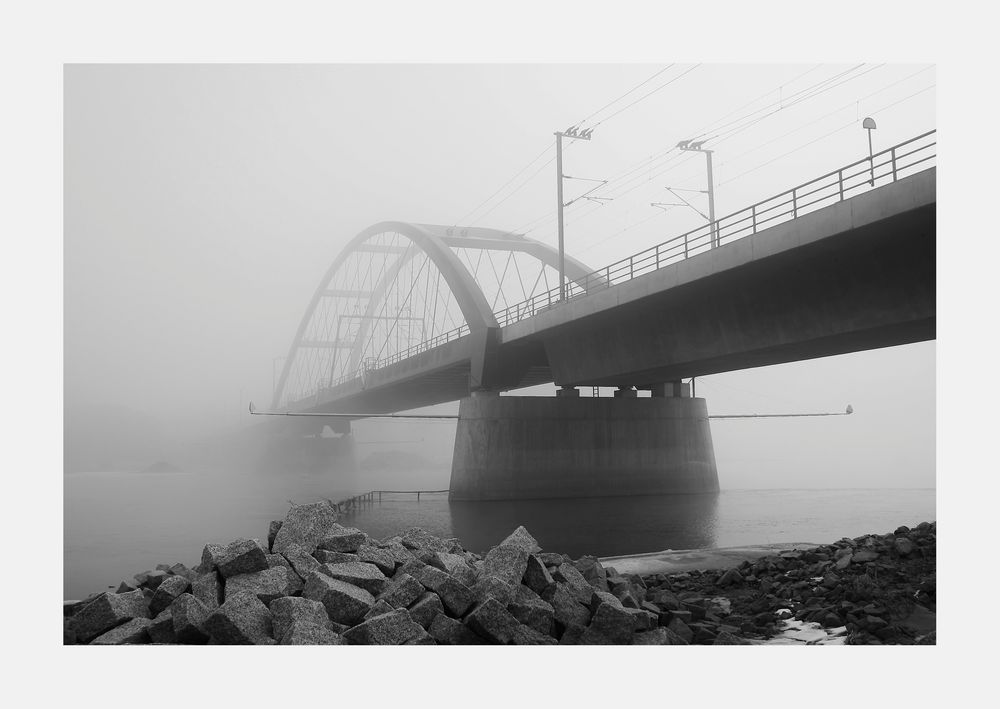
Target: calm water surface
[{"x": 119, "y": 524}]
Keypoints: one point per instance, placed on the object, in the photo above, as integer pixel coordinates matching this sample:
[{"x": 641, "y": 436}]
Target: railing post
[
  {"x": 795, "y": 205},
  {"x": 685, "y": 245},
  {"x": 753, "y": 214},
  {"x": 657, "y": 257},
  {"x": 894, "y": 164},
  {"x": 840, "y": 183},
  {"x": 631, "y": 267},
  {"x": 607, "y": 275}
]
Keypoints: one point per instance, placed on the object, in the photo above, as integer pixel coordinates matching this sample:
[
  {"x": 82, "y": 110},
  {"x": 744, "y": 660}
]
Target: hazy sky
[{"x": 204, "y": 202}]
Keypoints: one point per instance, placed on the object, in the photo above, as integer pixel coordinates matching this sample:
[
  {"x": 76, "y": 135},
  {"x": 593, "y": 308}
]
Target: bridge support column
[{"x": 521, "y": 447}]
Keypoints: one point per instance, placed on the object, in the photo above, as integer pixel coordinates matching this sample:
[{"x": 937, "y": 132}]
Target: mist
[{"x": 203, "y": 203}]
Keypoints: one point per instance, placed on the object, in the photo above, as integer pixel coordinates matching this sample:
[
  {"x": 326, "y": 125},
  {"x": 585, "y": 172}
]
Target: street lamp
[
  {"x": 695, "y": 147},
  {"x": 869, "y": 125},
  {"x": 571, "y": 132}
]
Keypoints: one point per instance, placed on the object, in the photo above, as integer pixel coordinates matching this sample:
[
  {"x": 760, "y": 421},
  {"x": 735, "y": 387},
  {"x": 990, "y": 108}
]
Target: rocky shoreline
[{"x": 316, "y": 582}]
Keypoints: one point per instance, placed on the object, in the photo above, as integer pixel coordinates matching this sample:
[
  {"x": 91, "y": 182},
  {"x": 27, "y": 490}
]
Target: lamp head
[{"x": 869, "y": 124}]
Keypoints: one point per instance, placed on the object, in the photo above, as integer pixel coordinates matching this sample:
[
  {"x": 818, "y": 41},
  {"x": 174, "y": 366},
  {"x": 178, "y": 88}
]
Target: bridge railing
[{"x": 889, "y": 165}]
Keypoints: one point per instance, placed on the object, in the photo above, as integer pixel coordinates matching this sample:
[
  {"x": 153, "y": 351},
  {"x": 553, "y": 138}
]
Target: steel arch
[{"x": 435, "y": 241}]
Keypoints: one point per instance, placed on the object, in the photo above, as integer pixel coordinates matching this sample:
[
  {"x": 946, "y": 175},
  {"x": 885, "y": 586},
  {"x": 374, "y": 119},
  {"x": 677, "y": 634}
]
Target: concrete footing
[{"x": 521, "y": 447}]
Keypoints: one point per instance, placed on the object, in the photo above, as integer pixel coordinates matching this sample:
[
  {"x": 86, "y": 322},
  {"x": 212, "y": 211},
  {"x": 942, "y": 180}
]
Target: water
[{"x": 119, "y": 524}]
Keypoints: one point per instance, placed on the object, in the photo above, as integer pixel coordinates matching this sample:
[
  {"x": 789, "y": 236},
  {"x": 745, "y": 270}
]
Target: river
[{"x": 119, "y": 524}]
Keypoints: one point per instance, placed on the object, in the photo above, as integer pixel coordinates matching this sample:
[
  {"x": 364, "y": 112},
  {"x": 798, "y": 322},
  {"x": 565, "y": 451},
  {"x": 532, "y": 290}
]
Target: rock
[
  {"x": 529, "y": 609},
  {"x": 726, "y": 638},
  {"x": 658, "y": 636},
  {"x": 456, "y": 596},
  {"x": 732, "y": 577},
  {"x": 507, "y": 563},
  {"x": 593, "y": 571},
  {"x": 379, "y": 608},
  {"x": 242, "y": 556},
  {"x": 399, "y": 553},
  {"x": 382, "y": 558},
  {"x": 207, "y": 588},
  {"x": 610, "y": 625},
  {"x": 393, "y": 628},
  {"x": 107, "y": 611},
  {"x": 928, "y": 639},
  {"x": 426, "y": 608},
  {"x": 167, "y": 592},
  {"x": 492, "y": 622},
  {"x": 526, "y": 635},
  {"x": 272, "y": 532},
  {"x": 302, "y": 632},
  {"x": 344, "y": 603},
  {"x": 344, "y": 539},
  {"x": 575, "y": 582},
  {"x": 209, "y": 555},
  {"x": 566, "y": 609},
  {"x": 161, "y": 629},
  {"x": 305, "y": 526},
  {"x": 551, "y": 559},
  {"x": 356, "y": 573},
  {"x": 151, "y": 579},
  {"x": 536, "y": 576},
  {"x": 903, "y": 546},
  {"x": 454, "y": 564},
  {"x": 302, "y": 562},
  {"x": 133, "y": 632},
  {"x": 599, "y": 597},
  {"x": 572, "y": 635},
  {"x": 402, "y": 591},
  {"x": 241, "y": 620},
  {"x": 267, "y": 584},
  {"x": 680, "y": 628},
  {"x": 274, "y": 560},
  {"x": 863, "y": 556},
  {"x": 642, "y": 619},
  {"x": 124, "y": 587},
  {"x": 448, "y": 631},
  {"x": 844, "y": 560},
  {"x": 189, "y": 618},
  {"x": 182, "y": 570},
  {"x": 521, "y": 539},
  {"x": 492, "y": 587},
  {"x": 416, "y": 538}
]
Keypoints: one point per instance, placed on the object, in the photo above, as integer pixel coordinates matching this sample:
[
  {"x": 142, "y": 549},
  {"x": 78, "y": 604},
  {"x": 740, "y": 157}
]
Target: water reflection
[{"x": 605, "y": 526}]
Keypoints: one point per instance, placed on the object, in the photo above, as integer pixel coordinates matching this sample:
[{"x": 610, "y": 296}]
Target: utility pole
[
  {"x": 695, "y": 147},
  {"x": 869, "y": 125},
  {"x": 578, "y": 135}
]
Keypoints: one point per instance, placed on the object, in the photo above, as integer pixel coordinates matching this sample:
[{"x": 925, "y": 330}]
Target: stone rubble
[{"x": 320, "y": 583}]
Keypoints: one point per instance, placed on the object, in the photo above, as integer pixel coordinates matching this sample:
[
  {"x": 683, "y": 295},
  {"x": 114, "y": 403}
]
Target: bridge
[{"x": 411, "y": 315}]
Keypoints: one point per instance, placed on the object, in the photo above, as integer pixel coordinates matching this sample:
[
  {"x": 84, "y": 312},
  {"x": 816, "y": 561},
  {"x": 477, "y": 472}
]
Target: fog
[{"x": 203, "y": 203}]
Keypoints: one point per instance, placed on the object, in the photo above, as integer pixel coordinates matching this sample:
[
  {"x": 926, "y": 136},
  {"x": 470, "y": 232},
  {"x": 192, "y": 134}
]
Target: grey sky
[{"x": 203, "y": 204}]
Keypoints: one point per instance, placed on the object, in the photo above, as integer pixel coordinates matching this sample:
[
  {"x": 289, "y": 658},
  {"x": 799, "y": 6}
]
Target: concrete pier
[{"x": 522, "y": 447}]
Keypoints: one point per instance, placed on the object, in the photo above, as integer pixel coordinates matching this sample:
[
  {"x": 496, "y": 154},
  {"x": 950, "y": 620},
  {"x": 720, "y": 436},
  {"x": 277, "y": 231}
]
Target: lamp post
[
  {"x": 695, "y": 147},
  {"x": 571, "y": 132},
  {"x": 869, "y": 125}
]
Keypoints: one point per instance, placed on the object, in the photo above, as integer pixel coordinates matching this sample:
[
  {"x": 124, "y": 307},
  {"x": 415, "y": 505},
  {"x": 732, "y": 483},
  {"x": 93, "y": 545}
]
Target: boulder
[
  {"x": 343, "y": 539},
  {"x": 507, "y": 563},
  {"x": 416, "y": 538},
  {"x": 575, "y": 582},
  {"x": 521, "y": 539},
  {"x": 302, "y": 562},
  {"x": 167, "y": 592},
  {"x": 642, "y": 619},
  {"x": 267, "y": 584},
  {"x": 399, "y": 553},
  {"x": 680, "y": 628},
  {"x": 658, "y": 636},
  {"x": 492, "y": 587},
  {"x": 107, "y": 611},
  {"x": 207, "y": 588},
  {"x": 302, "y": 632},
  {"x": 552, "y": 559},
  {"x": 455, "y": 564},
  {"x": 566, "y": 609},
  {"x": 305, "y": 526},
  {"x": 593, "y": 571},
  {"x": 529, "y": 609},
  {"x": 492, "y": 622},
  {"x": 731, "y": 577},
  {"x": 903, "y": 546},
  {"x": 344, "y": 603},
  {"x": 272, "y": 532},
  {"x": 864, "y": 555},
  {"x": 356, "y": 573},
  {"x": 182, "y": 570},
  {"x": 401, "y": 591},
  {"x": 242, "y": 556},
  {"x": 456, "y": 596},
  {"x": 600, "y": 597},
  {"x": 393, "y": 628},
  {"x": 448, "y": 631},
  {"x": 526, "y": 635},
  {"x": 291, "y": 609},
  {"x": 536, "y": 576},
  {"x": 379, "y": 608},
  {"x": 189, "y": 618},
  {"x": 382, "y": 558},
  {"x": 151, "y": 579},
  {"x": 241, "y": 620},
  {"x": 274, "y": 560},
  {"x": 161, "y": 629},
  {"x": 209, "y": 555},
  {"x": 611, "y": 625},
  {"x": 727, "y": 638},
  {"x": 325, "y": 556},
  {"x": 133, "y": 632},
  {"x": 425, "y": 608},
  {"x": 125, "y": 587}
]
